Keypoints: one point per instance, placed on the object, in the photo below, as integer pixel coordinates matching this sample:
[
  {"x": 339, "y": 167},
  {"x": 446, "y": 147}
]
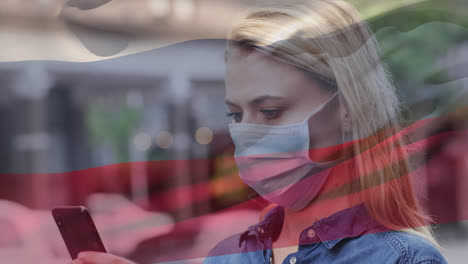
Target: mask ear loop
[
  {"x": 345, "y": 136},
  {"x": 320, "y": 107}
]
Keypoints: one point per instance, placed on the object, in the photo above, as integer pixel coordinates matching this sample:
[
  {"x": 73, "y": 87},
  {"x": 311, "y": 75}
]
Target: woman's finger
[
  {"x": 76, "y": 261},
  {"x": 101, "y": 258}
]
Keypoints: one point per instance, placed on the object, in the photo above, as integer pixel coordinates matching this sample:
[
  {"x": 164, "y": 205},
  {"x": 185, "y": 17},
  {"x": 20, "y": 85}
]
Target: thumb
[{"x": 101, "y": 258}]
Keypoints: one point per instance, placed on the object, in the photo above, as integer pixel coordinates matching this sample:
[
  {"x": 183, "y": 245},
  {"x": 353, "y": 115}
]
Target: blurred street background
[{"x": 119, "y": 106}]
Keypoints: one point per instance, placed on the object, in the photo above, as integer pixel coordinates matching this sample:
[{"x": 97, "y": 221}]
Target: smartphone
[{"x": 77, "y": 229}]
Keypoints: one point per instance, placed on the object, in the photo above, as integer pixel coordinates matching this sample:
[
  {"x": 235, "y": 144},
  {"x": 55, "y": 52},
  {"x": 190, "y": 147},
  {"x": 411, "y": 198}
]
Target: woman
[
  {"x": 316, "y": 132},
  {"x": 315, "y": 125}
]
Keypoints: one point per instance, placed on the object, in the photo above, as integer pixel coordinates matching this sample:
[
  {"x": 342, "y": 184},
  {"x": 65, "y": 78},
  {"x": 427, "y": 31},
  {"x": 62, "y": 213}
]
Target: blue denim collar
[
  {"x": 350, "y": 222},
  {"x": 268, "y": 229}
]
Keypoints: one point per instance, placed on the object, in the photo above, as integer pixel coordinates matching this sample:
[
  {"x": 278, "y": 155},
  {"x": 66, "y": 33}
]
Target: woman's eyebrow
[
  {"x": 264, "y": 98},
  {"x": 228, "y": 102},
  {"x": 257, "y": 100}
]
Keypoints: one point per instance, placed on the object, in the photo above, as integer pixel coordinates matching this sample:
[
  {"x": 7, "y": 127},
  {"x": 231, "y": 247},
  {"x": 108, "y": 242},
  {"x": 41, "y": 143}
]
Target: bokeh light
[
  {"x": 164, "y": 139},
  {"x": 204, "y": 135},
  {"x": 142, "y": 141}
]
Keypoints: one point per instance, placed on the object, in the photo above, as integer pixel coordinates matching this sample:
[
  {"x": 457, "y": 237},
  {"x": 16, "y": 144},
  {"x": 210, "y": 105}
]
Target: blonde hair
[{"x": 329, "y": 38}]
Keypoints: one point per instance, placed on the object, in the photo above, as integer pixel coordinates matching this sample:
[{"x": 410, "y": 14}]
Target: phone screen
[{"x": 78, "y": 230}]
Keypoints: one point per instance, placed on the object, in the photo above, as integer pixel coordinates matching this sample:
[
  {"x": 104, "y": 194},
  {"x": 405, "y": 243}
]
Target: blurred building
[{"x": 65, "y": 64}]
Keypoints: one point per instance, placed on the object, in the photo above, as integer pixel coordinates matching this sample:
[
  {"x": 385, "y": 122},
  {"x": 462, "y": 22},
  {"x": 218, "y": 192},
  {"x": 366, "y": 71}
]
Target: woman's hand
[{"x": 99, "y": 258}]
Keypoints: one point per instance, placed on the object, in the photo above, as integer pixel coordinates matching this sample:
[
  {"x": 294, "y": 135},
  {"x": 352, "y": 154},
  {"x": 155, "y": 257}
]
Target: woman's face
[{"x": 262, "y": 90}]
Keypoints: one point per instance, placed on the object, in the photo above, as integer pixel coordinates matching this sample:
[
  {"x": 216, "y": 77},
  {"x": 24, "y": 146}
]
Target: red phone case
[{"x": 77, "y": 229}]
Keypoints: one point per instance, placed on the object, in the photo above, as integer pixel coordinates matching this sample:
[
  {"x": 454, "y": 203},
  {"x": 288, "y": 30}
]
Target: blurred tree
[
  {"x": 113, "y": 127},
  {"x": 413, "y": 39}
]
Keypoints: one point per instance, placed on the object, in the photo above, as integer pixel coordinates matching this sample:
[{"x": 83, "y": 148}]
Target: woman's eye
[
  {"x": 236, "y": 116},
  {"x": 271, "y": 113}
]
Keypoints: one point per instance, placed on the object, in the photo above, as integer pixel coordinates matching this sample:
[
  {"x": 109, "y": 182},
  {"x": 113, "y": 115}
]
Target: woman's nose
[
  {"x": 251, "y": 118},
  {"x": 247, "y": 118}
]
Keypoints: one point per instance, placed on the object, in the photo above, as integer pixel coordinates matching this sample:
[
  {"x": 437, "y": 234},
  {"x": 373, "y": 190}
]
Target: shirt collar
[{"x": 350, "y": 222}]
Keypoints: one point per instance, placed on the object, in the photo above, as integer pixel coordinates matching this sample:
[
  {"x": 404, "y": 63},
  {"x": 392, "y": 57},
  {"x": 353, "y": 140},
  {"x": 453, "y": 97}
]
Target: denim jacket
[{"x": 348, "y": 236}]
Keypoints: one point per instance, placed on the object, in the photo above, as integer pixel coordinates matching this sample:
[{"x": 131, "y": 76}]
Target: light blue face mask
[{"x": 274, "y": 161}]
